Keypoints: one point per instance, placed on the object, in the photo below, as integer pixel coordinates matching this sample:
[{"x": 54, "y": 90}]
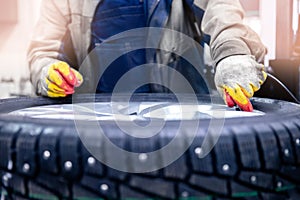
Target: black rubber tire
[{"x": 255, "y": 158}]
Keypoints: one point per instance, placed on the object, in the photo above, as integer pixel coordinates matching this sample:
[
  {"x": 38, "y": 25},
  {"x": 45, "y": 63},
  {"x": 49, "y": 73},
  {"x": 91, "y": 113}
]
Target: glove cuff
[{"x": 229, "y": 48}]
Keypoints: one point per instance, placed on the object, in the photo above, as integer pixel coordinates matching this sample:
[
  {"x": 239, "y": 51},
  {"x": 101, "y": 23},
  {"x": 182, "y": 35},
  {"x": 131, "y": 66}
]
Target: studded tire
[{"x": 254, "y": 158}]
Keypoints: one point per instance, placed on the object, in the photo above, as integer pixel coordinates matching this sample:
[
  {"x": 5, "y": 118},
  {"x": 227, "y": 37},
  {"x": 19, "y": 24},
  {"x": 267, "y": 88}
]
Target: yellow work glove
[
  {"x": 58, "y": 80},
  {"x": 237, "y": 78}
]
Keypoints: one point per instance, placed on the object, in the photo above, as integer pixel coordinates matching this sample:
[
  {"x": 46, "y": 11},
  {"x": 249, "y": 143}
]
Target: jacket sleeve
[
  {"x": 223, "y": 22},
  {"x": 47, "y": 36}
]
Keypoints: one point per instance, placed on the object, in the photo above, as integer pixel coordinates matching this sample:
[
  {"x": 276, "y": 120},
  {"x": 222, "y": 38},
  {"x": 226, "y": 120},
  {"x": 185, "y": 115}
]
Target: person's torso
[{"x": 113, "y": 17}]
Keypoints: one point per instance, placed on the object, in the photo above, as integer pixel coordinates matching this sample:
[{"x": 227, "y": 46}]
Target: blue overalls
[{"x": 115, "y": 16}]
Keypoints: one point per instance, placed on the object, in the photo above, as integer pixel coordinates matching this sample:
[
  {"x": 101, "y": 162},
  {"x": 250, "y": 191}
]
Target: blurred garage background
[
  {"x": 17, "y": 19},
  {"x": 276, "y": 21}
]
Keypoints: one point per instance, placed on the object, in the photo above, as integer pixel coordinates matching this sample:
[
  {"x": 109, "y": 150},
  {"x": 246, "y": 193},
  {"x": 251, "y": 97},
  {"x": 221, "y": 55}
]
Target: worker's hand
[
  {"x": 58, "y": 80},
  {"x": 237, "y": 78}
]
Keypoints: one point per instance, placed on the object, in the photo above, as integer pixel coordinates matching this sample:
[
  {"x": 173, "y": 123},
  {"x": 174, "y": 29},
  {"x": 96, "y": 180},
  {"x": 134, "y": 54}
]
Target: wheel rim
[{"x": 136, "y": 110}]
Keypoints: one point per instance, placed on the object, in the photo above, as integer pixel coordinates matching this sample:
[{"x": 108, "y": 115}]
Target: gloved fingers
[
  {"x": 247, "y": 90},
  {"x": 53, "y": 87},
  {"x": 260, "y": 80},
  {"x": 261, "y": 74},
  {"x": 261, "y": 77},
  {"x": 226, "y": 97},
  {"x": 66, "y": 72},
  {"x": 56, "y": 89},
  {"x": 239, "y": 97},
  {"x": 255, "y": 86},
  {"x": 228, "y": 100},
  {"x": 236, "y": 93},
  {"x": 72, "y": 77},
  {"x": 55, "y": 77},
  {"x": 265, "y": 75},
  {"x": 79, "y": 78},
  {"x": 55, "y": 95},
  {"x": 44, "y": 90},
  {"x": 245, "y": 107},
  {"x": 252, "y": 87}
]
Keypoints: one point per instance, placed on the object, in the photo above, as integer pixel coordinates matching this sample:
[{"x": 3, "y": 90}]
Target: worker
[{"x": 78, "y": 26}]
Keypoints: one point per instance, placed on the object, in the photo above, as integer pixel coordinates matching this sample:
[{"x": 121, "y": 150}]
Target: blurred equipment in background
[
  {"x": 296, "y": 49},
  {"x": 286, "y": 66}
]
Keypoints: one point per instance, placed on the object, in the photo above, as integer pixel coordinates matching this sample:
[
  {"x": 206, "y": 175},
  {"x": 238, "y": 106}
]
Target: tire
[{"x": 254, "y": 158}]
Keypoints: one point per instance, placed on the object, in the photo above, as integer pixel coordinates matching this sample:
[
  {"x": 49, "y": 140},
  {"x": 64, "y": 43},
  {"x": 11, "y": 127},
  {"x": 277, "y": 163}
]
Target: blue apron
[{"x": 115, "y": 16}]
